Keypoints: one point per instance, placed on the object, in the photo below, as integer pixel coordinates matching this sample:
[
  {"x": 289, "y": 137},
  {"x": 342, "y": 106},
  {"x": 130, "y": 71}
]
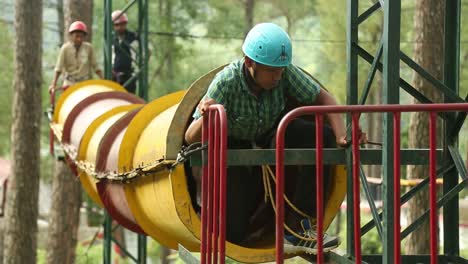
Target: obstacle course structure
[
  {"x": 126, "y": 153},
  {"x": 185, "y": 230}
]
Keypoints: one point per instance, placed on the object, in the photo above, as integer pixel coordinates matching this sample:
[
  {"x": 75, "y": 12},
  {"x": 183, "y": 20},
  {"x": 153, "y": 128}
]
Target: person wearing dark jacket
[{"x": 124, "y": 47}]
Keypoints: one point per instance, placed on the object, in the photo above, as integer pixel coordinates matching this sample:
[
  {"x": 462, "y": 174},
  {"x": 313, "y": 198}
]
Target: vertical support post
[
  {"x": 141, "y": 249},
  {"x": 223, "y": 187},
  {"x": 204, "y": 207},
  {"x": 143, "y": 49},
  {"x": 351, "y": 99},
  {"x": 107, "y": 39},
  {"x": 216, "y": 179},
  {"x": 107, "y": 253},
  {"x": 280, "y": 191},
  {"x": 211, "y": 154},
  {"x": 319, "y": 184},
  {"x": 433, "y": 186},
  {"x": 143, "y": 29},
  {"x": 356, "y": 185},
  {"x": 107, "y": 259},
  {"x": 451, "y": 79},
  {"x": 391, "y": 77},
  {"x": 142, "y": 88},
  {"x": 396, "y": 183}
]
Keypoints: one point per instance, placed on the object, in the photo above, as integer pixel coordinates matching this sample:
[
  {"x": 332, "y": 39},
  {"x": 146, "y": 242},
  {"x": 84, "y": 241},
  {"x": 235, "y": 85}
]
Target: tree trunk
[
  {"x": 66, "y": 189},
  {"x": 20, "y": 232},
  {"x": 60, "y": 21},
  {"x": 428, "y": 52},
  {"x": 249, "y": 15},
  {"x": 64, "y": 215}
]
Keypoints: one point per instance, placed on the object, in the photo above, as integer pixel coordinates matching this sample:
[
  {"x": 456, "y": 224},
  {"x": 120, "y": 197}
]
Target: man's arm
[
  {"x": 193, "y": 133},
  {"x": 336, "y": 120},
  {"x": 53, "y": 85},
  {"x": 59, "y": 65}
]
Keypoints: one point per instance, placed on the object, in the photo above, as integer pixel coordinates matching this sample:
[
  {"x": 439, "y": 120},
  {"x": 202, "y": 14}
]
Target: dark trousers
[
  {"x": 122, "y": 78},
  {"x": 244, "y": 183}
]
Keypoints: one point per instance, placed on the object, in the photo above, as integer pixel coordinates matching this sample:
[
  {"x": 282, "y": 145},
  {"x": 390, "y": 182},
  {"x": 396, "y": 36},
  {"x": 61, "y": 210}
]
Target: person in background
[
  {"x": 124, "y": 47},
  {"x": 254, "y": 91},
  {"x": 76, "y": 59}
]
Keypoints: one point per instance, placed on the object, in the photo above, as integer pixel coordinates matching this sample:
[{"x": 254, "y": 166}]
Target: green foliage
[
  {"x": 89, "y": 254},
  {"x": 224, "y": 19},
  {"x": 6, "y": 91},
  {"x": 41, "y": 256},
  {"x": 153, "y": 250},
  {"x": 371, "y": 243},
  {"x": 47, "y": 165},
  {"x": 464, "y": 253},
  {"x": 84, "y": 255}
]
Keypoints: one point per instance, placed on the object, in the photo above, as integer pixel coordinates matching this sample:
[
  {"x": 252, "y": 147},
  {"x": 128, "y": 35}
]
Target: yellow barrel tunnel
[{"x": 106, "y": 130}]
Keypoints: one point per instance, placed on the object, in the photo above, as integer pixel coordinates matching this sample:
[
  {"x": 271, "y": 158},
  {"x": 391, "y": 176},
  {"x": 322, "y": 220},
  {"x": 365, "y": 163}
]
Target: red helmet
[
  {"x": 118, "y": 17},
  {"x": 78, "y": 26}
]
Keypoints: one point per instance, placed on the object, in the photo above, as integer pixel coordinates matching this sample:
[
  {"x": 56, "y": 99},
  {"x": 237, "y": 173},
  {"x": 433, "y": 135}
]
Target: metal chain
[
  {"x": 187, "y": 151},
  {"x": 90, "y": 169}
]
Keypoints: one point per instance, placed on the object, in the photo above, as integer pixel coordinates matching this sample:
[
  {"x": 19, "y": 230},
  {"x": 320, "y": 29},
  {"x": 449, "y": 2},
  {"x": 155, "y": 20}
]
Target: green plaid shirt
[{"x": 250, "y": 116}]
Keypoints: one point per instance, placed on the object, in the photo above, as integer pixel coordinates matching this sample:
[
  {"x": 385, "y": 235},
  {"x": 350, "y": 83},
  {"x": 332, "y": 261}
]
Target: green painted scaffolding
[
  {"x": 142, "y": 91},
  {"x": 387, "y": 60}
]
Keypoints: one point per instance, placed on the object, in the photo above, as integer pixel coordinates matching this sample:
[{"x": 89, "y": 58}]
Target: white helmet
[{"x": 118, "y": 17}]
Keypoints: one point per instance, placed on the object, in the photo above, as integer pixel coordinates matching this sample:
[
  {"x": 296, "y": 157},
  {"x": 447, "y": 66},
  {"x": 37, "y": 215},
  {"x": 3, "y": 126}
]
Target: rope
[
  {"x": 270, "y": 173},
  {"x": 266, "y": 172}
]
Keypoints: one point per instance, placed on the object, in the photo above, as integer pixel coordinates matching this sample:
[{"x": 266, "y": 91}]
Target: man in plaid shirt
[{"x": 254, "y": 91}]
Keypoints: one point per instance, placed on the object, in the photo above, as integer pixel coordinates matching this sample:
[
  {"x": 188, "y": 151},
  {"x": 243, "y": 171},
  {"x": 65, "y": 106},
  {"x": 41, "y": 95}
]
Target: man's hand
[
  {"x": 194, "y": 131},
  {"x": 52, "y": 88},
  {"x": 341, "y": 140},
  {"x": 99, "y": 74},
  {"x": 204, "y": 105}
]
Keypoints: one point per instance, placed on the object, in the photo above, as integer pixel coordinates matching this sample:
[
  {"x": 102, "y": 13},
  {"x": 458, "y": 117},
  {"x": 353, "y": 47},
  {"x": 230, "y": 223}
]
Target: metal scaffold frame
[
  {"x": 391, "y": 55},
  {"x": 387, "y": 59},
  {"x": 142, "y": 91}
]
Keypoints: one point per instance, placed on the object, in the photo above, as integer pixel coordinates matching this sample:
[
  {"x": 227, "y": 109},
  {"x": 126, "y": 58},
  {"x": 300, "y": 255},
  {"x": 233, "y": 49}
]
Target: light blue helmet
[{"x": 268, "y": 44}]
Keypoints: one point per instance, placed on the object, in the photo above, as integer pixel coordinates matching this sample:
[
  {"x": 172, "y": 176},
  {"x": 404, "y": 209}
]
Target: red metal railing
[
  {"x": 355, "y": 111},
  {"x": 213, "y": 214},
  {"x": 214, "y": 135}
]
